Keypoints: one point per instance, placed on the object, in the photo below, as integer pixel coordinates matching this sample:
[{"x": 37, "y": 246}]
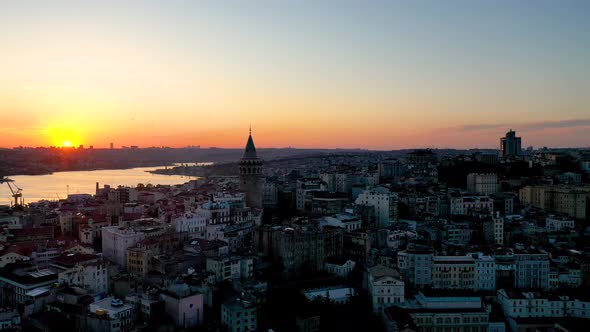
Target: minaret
[{"x": 251, "y": 175}]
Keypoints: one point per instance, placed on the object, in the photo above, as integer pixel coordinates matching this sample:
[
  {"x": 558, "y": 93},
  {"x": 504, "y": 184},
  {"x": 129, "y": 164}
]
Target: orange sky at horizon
[{"x": 98, "y": 116}]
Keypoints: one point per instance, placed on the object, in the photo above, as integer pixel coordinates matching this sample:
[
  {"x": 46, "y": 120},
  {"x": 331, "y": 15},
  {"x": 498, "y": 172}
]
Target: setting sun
[{"x": 65, "y": 136}]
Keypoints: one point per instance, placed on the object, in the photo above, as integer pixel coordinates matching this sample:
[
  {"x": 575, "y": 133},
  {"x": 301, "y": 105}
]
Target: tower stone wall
[{"x": 251, "y": 177}]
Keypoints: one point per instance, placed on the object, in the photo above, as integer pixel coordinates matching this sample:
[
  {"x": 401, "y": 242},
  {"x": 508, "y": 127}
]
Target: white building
[
  {"x": 531, "y": 269},
  {"x": 385, "y": 287},
  {"x": 230, "y": 268},
  {"x": 43, "y": 255},
  {"x": 116, "y": 240},
  {"x": 115, "y": 309},
  {"x": 556, "y": 223},
  {"x": 570, "y": 178},
  {"x": 86, "y": 271},
  {"x": 239, "y": 314},
  {"x": 493, "y": 230},
  {"x": 234, "y": 199},
  {"x": 517, "y": 304},
  {"x": 192, "y": 223},
  {"x": 17, "y": 282},
  {"x": 462, "y": 205},
  {"x": 384, "y": 203},
  {"x": 415, "y": 264},
  {"x": 485, "y": 273},
  {"x": 215, "y": 212}
]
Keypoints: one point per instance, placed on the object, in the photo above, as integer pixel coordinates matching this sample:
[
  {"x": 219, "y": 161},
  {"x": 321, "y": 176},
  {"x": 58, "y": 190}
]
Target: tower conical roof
[{"x": 250, "y": 152}]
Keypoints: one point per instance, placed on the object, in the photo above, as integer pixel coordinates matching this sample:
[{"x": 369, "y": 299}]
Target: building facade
[
  {"x": 384, "y": 204},
  {"x": 483, "y": 184},
  {"x": 511, "y": 145}
]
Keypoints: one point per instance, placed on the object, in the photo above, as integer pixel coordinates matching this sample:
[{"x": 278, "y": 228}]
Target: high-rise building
[
  {"x": 510, "y": 145},
  {"x": 251, "y": 178}
]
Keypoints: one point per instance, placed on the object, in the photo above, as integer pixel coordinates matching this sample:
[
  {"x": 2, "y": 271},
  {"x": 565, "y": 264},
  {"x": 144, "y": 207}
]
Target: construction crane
[{"x": 14, "y": 189}]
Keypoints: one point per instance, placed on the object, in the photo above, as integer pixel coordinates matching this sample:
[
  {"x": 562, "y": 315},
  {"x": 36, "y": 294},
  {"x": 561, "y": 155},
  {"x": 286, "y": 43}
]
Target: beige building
[
  {"x": 138, "y": 260},
  {"x": 571, "y": 200},
  {"x": 453, "y": 272}
]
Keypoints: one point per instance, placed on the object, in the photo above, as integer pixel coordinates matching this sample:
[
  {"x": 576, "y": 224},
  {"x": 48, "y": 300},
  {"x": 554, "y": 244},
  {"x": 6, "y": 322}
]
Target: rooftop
[
  {"x": 27, "y": 274},
  {"x": 71, "y": 260},
  {"x": 379, "y": 271}
]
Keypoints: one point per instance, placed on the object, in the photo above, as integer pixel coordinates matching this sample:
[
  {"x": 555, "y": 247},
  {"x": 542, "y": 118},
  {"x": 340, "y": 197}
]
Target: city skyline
[{"x": 377, "y": 76}]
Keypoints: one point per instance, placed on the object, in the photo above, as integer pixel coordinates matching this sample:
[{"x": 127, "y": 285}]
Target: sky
[{"x": 330, "y": 74}]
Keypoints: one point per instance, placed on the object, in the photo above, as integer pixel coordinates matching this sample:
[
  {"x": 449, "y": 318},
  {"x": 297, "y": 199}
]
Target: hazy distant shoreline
[{"x": 89, "y": 169}]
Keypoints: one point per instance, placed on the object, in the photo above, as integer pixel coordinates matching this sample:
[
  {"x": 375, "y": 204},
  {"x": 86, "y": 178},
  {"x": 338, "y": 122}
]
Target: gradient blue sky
[{"x": 370, "y": 74}]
